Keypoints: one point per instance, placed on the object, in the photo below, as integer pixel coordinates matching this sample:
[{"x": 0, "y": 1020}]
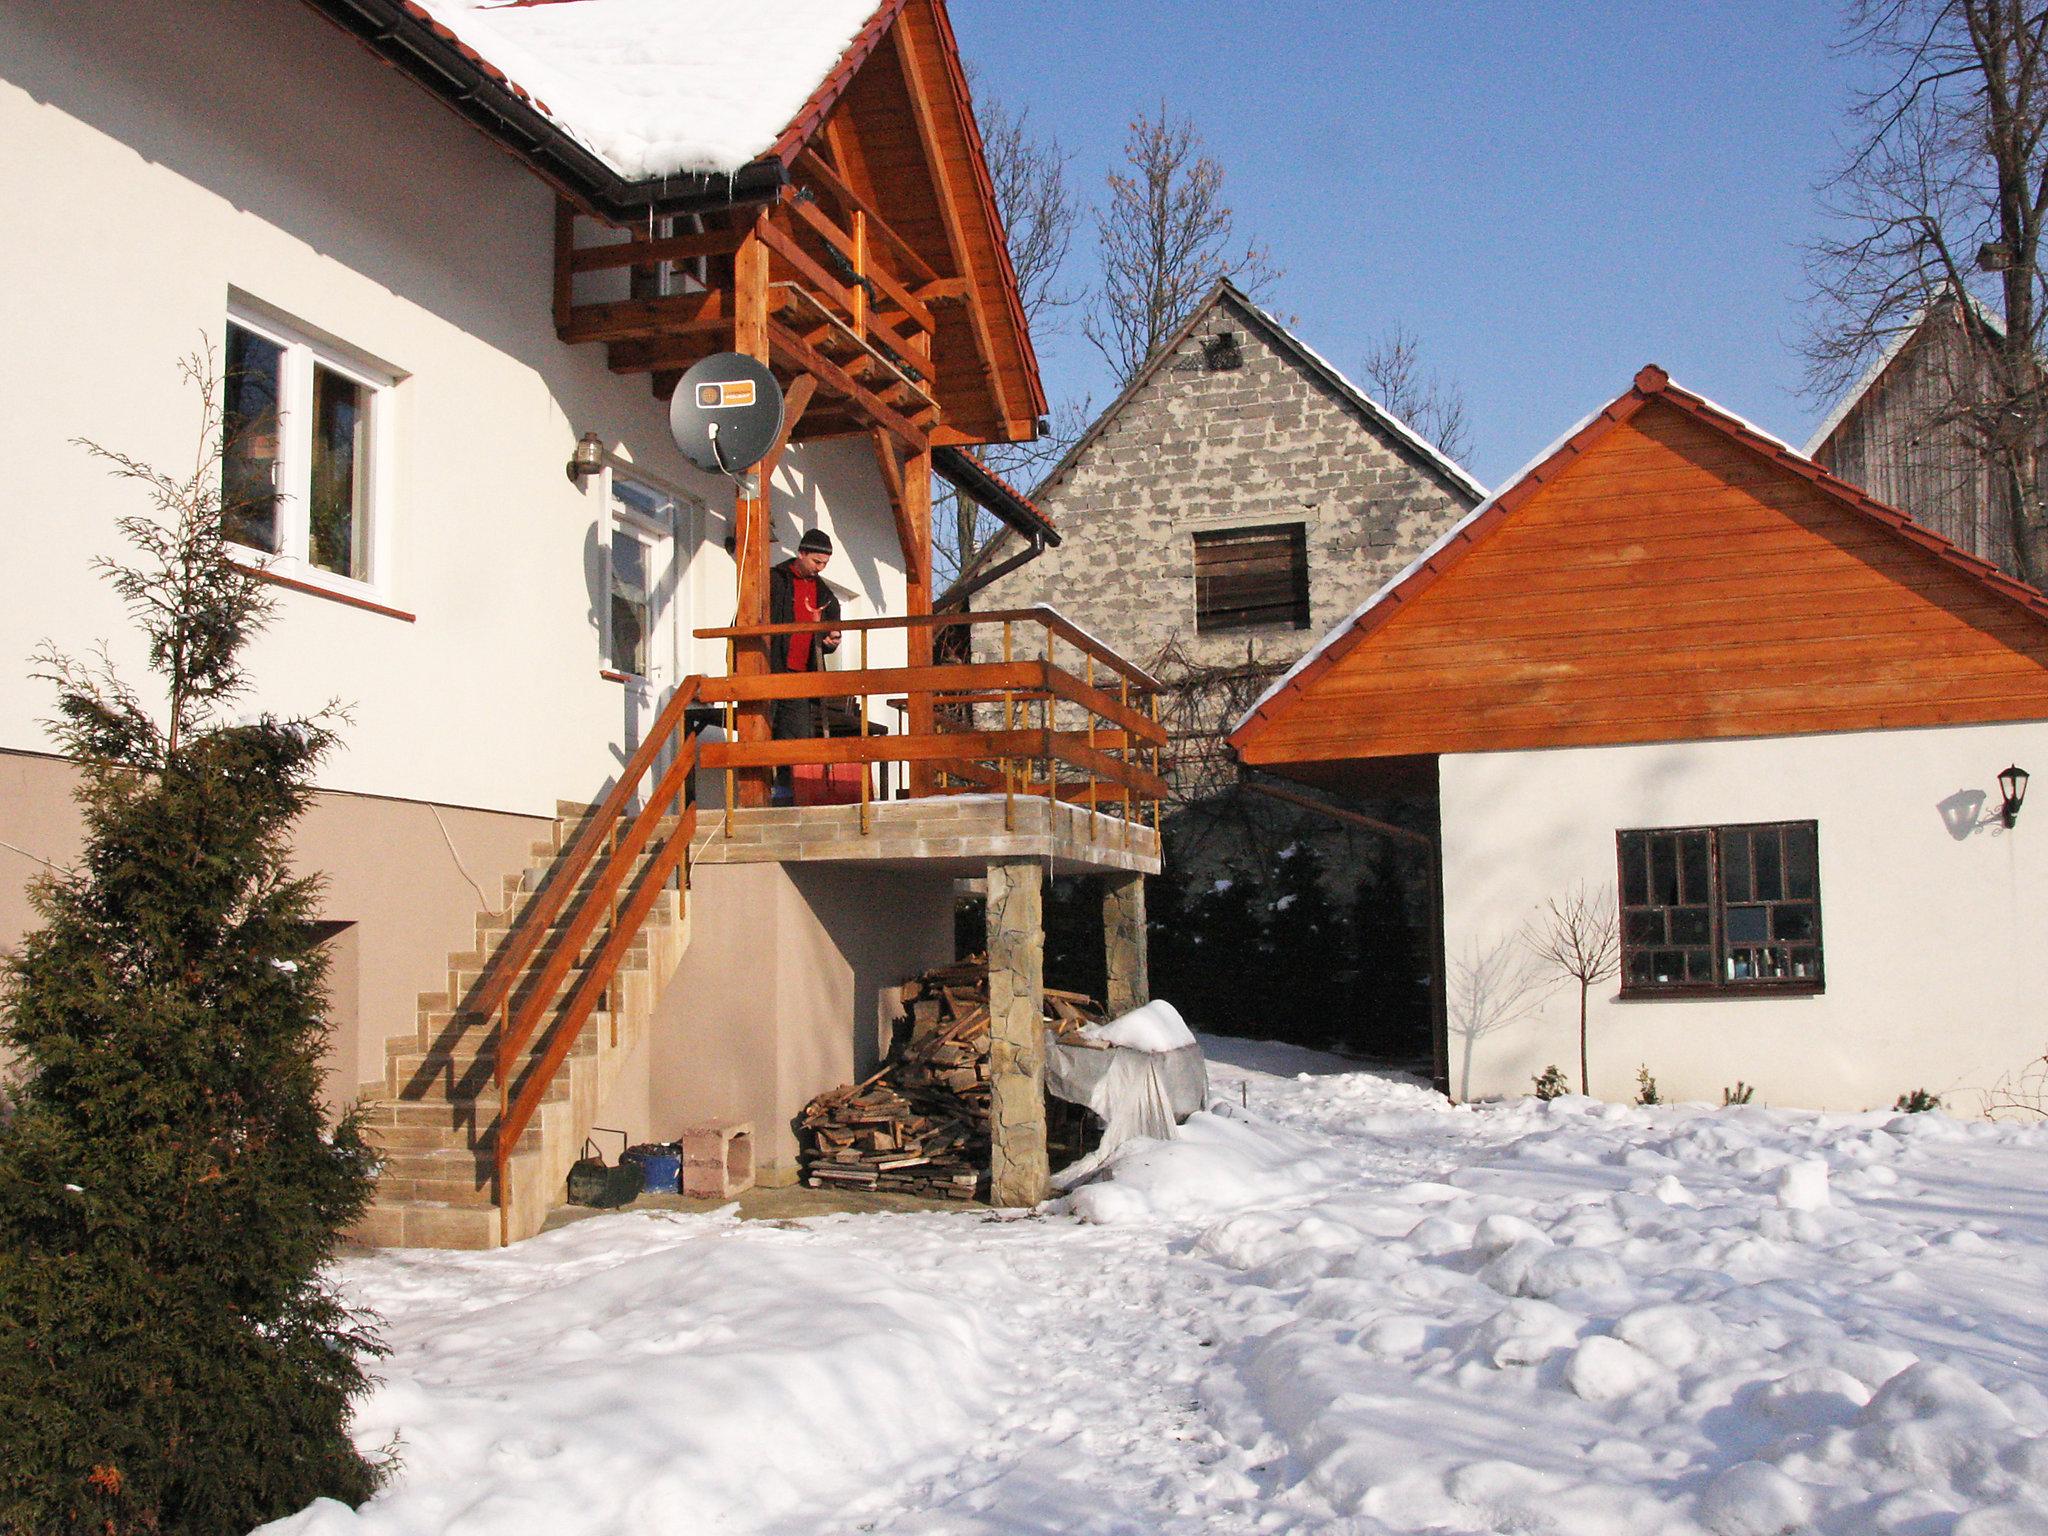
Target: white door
[{"x": 644, "y": 616}]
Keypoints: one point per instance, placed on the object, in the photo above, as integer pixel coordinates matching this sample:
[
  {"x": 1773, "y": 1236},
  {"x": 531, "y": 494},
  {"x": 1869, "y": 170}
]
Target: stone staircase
[{"x": 433, "y": 1113}]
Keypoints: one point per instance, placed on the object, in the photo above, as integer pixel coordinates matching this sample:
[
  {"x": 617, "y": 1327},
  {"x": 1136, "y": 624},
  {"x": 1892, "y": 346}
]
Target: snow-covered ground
[{"x": 1349, "y": 1307}]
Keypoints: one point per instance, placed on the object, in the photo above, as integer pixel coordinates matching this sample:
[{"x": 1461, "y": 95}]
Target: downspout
[
  {"x": 1440, "y": 1030},
  {"x": 956, "y": 595}
]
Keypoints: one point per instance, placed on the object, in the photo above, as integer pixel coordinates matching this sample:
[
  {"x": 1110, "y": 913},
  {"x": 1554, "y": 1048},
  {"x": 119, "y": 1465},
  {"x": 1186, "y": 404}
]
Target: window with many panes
[
  {"x": 1734, "y": 908},
  {"x": 304, "y": 453}
]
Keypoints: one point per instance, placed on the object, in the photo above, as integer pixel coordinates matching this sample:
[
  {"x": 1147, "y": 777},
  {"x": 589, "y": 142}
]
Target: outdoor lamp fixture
[
  {"x": 588, "y": 458},
  {"x": 2013, "y": 784}
]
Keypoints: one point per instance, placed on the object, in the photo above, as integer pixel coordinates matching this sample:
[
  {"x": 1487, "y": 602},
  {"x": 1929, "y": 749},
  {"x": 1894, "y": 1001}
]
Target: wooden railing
[
  {"x": 529, "y": 967},
  {"x": 1023, "y": 718}
]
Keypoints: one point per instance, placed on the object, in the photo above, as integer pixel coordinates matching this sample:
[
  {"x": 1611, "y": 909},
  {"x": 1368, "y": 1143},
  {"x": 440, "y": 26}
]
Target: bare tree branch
[
  {"x": 1941, "y": 204},
  {"x": 1576, "y": 935},
  {"x": 1424, "y": 400},
  {"x": 1164, "y": 240}
]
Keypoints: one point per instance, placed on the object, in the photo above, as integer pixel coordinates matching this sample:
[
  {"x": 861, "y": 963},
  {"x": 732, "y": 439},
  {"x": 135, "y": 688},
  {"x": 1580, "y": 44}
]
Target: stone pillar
[
  {"x": 1123, "y": 943},
  {"x": 1016, "y": 1005}
]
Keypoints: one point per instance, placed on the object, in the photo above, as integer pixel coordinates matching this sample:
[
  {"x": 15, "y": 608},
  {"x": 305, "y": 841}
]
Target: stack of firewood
[{"x": 920, "y": 1125}]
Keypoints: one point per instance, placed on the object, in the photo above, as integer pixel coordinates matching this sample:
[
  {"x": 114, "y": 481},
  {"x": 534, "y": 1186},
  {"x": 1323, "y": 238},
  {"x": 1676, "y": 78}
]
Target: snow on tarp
[
  {"x": 1157, "y": 1026},
  {"x": 662, "y": 87},
  {"x": 1142, "y": 1077}
]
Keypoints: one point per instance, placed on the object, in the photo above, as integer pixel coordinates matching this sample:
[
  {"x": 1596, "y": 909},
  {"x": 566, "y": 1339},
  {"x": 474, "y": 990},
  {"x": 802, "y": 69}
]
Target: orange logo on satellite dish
[{"x": 714, "y": 397}]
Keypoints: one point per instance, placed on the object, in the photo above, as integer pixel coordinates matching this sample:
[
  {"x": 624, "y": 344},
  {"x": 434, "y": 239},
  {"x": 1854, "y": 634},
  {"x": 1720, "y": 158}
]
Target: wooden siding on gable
[{"x": 1670, "y": 584}]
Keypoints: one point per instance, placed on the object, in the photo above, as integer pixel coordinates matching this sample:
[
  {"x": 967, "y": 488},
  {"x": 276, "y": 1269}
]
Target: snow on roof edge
[
  {"x": 1415, "y": 439},
  {"x": 1345, "y": 626}
]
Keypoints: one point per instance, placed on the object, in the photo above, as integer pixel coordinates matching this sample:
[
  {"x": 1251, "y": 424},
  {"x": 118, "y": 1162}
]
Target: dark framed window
[
  {"x": 1251, "y": 578},
  {"x": 1721, "y": 909}
]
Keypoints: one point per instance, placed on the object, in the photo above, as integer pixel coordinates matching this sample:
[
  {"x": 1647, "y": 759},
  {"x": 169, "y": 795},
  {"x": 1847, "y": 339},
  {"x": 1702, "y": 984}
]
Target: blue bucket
[{"x": 660, "y": 1164}]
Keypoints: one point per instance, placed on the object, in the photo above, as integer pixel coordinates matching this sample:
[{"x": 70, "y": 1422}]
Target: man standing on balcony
[{"x": 797, "y": 594}]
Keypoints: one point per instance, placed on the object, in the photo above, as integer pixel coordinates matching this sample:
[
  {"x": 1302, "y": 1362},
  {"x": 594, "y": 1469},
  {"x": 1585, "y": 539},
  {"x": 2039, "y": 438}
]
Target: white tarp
[{"x": 1145, "y": 1076}]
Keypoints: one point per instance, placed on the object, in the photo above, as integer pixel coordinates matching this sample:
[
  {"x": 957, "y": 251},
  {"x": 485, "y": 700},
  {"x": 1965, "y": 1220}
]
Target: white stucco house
[
  {"x": 1763, "y": 718},
  {"x": 454, "y": 257}
]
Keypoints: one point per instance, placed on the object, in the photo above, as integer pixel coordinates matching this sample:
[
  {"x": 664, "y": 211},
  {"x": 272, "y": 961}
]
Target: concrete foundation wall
[
  {"x": 776, "y": 997},
  {"x": 398, "y": 872}
]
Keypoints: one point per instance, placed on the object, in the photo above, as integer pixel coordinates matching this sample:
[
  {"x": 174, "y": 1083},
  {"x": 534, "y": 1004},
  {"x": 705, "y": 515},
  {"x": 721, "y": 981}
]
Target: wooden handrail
[
  {"x": 535, "y": 926},
  {"x": 547, "y": 904},
  {"x": 811, "y": 164},
  {"x": 1054, "y": 621}
]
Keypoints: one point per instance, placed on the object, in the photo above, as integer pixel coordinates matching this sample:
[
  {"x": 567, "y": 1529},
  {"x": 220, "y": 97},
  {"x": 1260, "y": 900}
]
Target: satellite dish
[{"x": 727, "y": 413}]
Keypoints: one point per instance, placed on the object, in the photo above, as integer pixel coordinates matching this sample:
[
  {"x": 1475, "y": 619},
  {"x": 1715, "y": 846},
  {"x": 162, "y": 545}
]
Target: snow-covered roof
[{"x": 662, "y": 87}]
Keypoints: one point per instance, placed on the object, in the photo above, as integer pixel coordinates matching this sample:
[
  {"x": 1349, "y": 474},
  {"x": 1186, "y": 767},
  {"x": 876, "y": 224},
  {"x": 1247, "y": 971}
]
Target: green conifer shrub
[
  {"x": 171, "y": 1359},
  {"x": 1392, "y": 971},
  {"x": 1307, "y": 954}
]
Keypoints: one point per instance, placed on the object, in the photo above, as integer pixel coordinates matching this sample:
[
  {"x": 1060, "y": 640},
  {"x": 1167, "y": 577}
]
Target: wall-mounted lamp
[
  {"x": 588, "y": 458},
  {"x": 2013, "y": 785}
]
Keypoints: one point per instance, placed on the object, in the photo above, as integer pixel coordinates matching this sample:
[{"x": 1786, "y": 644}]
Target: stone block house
[{"x": 1234, "y": 501}]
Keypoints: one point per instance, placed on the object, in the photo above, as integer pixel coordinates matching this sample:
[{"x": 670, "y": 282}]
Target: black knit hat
[{"x": 816, "y": 542}]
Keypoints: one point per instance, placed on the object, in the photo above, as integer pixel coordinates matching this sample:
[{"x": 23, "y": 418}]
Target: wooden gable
[
  {"x": 903, "y": 137},
  {"x": 1668, "y": 575}
]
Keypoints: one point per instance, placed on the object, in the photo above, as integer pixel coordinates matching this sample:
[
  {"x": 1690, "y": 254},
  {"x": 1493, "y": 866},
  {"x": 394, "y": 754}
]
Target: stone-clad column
[
  {"x": 1123, "y": 943},
  {"x": 1016, "y": 1003}
]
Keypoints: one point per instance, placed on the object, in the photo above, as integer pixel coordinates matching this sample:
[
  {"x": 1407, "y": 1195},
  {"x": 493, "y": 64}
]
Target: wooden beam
[
  {"x": 809, "y": 162},
  {"x": 633, "y": 253},
  {"x": 949, "y": 211},
  {"x": 830, "y": 375},
  {"x": 643, "y": 319},
  {"x": 917, "y": 598},
  {"x": 750, "y": 512},
  {"x": 565, "y": 250}
]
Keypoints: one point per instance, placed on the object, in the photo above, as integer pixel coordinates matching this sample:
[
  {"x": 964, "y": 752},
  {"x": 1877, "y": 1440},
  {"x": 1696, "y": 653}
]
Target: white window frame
[
  {"x": 293, "y": 557},
  {"x": 680, "y": 533}
]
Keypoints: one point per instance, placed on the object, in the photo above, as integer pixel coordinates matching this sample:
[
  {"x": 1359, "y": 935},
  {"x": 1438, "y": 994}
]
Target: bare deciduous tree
[
  {"x": 1576, "y": 936},
  {"x": 1165, "y": 239},
  {"x": 1422, "y": 398},
  {"x": 1942, "y": 202},
  {"x": 1040, "y": 211}
]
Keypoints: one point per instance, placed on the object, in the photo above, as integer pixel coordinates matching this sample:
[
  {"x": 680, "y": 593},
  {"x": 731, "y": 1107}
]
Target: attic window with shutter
[
  {"x": 1220, "y": 352},
  {"x": 1251, "y": 578}
]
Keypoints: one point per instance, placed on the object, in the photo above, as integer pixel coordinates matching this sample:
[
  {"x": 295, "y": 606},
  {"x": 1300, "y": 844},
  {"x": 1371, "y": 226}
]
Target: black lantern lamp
[
  {"x": 588, "y": 458},
  {"x": 2013, "y": 785}
]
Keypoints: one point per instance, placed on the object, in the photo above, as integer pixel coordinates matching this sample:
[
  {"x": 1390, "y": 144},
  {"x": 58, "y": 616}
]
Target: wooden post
[
  {"x": 1124, "y": 943},
  {"x": 1018, "y": 1170},
  {"x": 751, "y": 534},
  {"x": 917, "y": 601}
]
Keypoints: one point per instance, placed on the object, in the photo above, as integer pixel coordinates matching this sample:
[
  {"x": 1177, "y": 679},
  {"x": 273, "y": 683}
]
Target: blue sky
[{"x": 1550, "y": 196}]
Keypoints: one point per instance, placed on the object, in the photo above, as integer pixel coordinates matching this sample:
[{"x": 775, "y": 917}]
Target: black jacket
[{"x": 782, "y": 610}]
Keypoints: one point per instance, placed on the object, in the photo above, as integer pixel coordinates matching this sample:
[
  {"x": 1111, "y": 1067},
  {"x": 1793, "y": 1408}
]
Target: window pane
[
  {"x": 1802, "y": 861},
  {"x": 1769, "y": 882},
  {"x": 1805, "y": 964},
  {"x": 1644, "y": 927},
  {"x": 1689, "y": 925},
  {"x": 1639, "y": 968},
  {"x": 1635, "y": 884},
  {"x": 1664, "y": 871},
  {"x": 1793, "y": 921},
  {"x": 1668, "y": 965},
  {"x": 1699, "y": 965},
  {"x": 1735, "y": 865},
  {"x": 339, "y": 511},
  {"x": 1748, "y": 925},
  {"x": 248, "y": 470},
  {"x": 1692, "y": 847},
  {"x": 630, "y": 608}
]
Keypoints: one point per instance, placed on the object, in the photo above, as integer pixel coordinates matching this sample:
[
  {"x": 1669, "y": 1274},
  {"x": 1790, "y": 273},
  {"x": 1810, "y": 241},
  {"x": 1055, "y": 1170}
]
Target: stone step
[
  {"x": 407, "y": 1066},
  {"x": 422, "y": 1224}
]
